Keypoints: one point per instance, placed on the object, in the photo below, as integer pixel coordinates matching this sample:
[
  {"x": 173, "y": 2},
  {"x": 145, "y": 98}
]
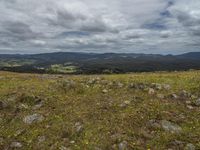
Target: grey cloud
[{"x": 102, "y": 26}]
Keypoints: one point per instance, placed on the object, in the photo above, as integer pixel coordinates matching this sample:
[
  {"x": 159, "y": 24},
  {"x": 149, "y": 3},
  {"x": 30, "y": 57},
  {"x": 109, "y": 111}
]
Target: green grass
[{"x": 68, "y": 99}]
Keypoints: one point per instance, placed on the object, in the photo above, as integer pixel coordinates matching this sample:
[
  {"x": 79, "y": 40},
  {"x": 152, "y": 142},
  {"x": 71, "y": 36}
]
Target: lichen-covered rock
[
  {"x": 15, "y": 145},
  {"x": 189, "y": 147},
  {"x": 33, "y": 118},
  {"x": 123, "y": 145},
  {"x": 197, "y": 103},
  {"x": 170, "y": 127}
]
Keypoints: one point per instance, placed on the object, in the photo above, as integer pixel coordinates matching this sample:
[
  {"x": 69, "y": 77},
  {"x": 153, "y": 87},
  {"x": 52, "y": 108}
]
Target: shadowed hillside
[{"x": 91, "y": 63}]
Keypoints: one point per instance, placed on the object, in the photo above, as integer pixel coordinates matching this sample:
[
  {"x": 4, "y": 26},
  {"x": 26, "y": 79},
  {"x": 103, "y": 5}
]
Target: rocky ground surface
[{"x": 144, "y": 111}]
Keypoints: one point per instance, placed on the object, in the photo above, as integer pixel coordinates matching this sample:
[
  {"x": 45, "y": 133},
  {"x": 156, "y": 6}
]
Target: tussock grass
[{"x": 105, "y": 119}]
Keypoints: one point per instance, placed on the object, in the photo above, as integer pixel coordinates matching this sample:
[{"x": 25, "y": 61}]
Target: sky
[{"x": 100, "y": 26}]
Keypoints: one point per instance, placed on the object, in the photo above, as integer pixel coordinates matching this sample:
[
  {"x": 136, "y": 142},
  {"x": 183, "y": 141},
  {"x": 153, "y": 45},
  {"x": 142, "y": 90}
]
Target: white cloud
[{"x": 150, "y": 26}]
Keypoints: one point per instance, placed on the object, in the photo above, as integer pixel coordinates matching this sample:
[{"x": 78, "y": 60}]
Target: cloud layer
[{"x": 137, "y": 26}]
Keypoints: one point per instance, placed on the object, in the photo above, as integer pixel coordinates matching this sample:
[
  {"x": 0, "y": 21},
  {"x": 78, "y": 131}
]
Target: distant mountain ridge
[{"x": 73, "y": 62}]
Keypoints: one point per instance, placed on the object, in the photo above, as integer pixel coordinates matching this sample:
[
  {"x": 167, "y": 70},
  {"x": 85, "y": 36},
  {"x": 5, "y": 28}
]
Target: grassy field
[{"x": 143, "y": 111}]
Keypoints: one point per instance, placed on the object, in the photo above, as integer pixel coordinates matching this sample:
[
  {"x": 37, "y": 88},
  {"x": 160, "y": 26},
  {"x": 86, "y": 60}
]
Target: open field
[{"x": 142, "y": 111}]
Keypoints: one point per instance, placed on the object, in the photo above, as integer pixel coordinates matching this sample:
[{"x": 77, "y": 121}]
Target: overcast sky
[{"x": 134, "y": 26}]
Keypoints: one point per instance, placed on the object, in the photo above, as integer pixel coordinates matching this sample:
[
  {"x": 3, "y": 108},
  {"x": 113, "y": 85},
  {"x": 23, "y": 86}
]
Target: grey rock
[
  {"x": 41, "y": 139},
  {"x": 166, "y": 86},
  {"x": 184, "y": 94},
  {"x": 160, "y": 96},
  {"x": 78, "y": 127},
  {"x": 33, "y": 118},
  {"x": 120, "y": 85},
  {"x": 38, "y": 106},
  {"x": 3, "y": 105},
  {"x": 174, "y": 96},
  {"x": 104, "y": 91},
  {"x": 170, "y": 127},
  {"x": 151, "y": 91},
  {"x": 123, "y": 145},
  {"x": 156, "y": 86},
  {"x": 197, "y": 103},
  {"x": 189, "y": 147},
  {"x": 190, "y": 107},
  {"x": 154, "y": 124},
  {"x": 15, "y": 145}
]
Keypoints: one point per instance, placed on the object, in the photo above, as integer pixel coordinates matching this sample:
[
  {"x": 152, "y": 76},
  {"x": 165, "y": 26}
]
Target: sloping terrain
[
  {"x": 143, "y": 111},
  {"x": 91, "y": 63}
]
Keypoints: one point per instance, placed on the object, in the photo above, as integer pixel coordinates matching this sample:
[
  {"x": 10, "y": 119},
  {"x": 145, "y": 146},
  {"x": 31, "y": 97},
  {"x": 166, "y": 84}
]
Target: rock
[
  {"x": 120, "y": 85},
  {"x": 3, "y": 105},
  {"x": 188, "y": 102},
  {"x": 41, "y": 139},
  {"x": 197, "y": 103},
  {"x": 104, "y": 91},
  {"x": 156, "y": 86},
  {"x": 78, "y": 127},
  {"x": 140, "y": 86},
  {"x": 38, "y": 106},
  {"x": 15, "y": 145},
  {"x": 154, "y": 124},
  {"x": 166, "y": 86},
  {"x": 123, "y": 145},
  {"x": 33, "y": 118},
  {"x": 23, "y": 106},
  {"x": 189, "y": 147},
  {"x": 160, "y": 96},
  {"x": 1, "y": 140},
  {"x": 174, "y": 96},
  {"x": 190, "y": 107},
  {"x": 64, "y": 148},
  {"x": 184, "y": 94},
  {"x": 19, "y": 132},
  {"x": 151, "y": 91},
  {"x": 72, "y": 142},
  {"x": 125, "y": 103},
  {"x": 170, "y": 127}
]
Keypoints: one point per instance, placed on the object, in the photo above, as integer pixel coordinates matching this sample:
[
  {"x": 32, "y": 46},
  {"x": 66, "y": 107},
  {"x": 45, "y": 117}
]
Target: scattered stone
[
  {"x": 3, "y": 105},
  {"x": 23, "y": 106},
  {"x": 64, "y": 148},
  {"x": 197, "y": 103},
  {"x": 190, "y": 107},
  {"x": 38, "y": 106},
  {"x": 184, "y": 94},
  {"x": 166, "y": 86},
  {"x": 177, "y": 143},
  {"x": 154, "y": 124},
  {"x": 156, "y": 86},
  {"x": 170, "y": 127},
  {"x": 174, "y": 96},
  {"x": 123, "y": 145},
  {"x": 33, "y": 118},
  {"x": 151, "y": 91},
  {"x": 72, "y": 142},
  {"x": 19, "y": 132},
  {"x": 41, "y": 139},
  {"x": 78, "y": 127},
  {"x": 125, "y": 103},
  {"x": 188, "y": 102},
  {"x": 189, "y": 147},
  {"x": 1, "y": 140},
  {"x": 160, "y": 96},
  {"x": 120, "y": 85},
  {"x": 139, "y": 86},
  {"x": 15, "y": 145},
  {"x": 104, "y": 91}
]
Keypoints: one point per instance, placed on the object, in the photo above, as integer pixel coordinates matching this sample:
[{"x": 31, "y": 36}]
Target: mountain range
[{"x": 93, "y": 63}]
